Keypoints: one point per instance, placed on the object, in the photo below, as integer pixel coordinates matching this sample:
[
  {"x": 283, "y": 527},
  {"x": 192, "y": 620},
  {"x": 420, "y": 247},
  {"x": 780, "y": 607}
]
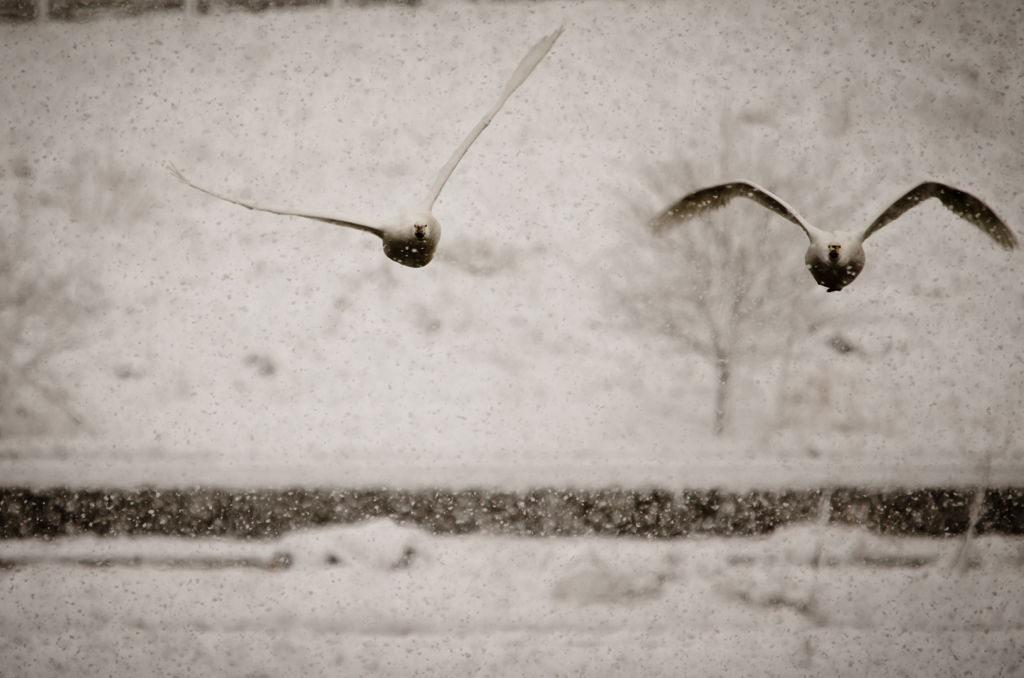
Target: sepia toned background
[{"x": 154, "y": 337}]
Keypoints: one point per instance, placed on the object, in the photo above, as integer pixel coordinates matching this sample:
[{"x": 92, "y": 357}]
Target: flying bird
[
  {"x": 836, "y": 258},
  {"x": 410, "y": 237}
]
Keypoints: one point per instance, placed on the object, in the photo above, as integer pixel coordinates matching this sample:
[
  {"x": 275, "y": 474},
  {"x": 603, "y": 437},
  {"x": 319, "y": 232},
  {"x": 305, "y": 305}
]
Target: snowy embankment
[
  {"x": 383, "y": 545},
  {"x": 25, "y": 466},
  {"x": 379, "y": 599}
]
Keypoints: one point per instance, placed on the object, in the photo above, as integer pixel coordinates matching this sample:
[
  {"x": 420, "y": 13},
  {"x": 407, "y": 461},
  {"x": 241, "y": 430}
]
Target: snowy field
[
  {"x": 381, "y": 600},
  {"x": 257, "y": 338}
]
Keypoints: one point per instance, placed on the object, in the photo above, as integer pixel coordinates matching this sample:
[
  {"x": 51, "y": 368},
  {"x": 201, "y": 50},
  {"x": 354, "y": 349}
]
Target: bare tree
[{"x": 726, "y": 284}]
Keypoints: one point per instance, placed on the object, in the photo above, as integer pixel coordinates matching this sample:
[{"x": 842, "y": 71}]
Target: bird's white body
[
  {"x": 836, "y": 258},
  {"x": 410, "y": 237}
]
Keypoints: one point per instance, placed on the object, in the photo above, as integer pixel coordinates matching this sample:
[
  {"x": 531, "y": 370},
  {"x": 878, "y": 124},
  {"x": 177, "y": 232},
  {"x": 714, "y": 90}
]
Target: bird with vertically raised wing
[
  {"x": 835, "y": 259},
  {"x": 410, "y": 237}
]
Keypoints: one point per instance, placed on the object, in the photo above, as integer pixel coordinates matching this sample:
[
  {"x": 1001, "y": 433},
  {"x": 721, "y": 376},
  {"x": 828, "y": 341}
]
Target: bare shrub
[{"x": 731, "y": 283}]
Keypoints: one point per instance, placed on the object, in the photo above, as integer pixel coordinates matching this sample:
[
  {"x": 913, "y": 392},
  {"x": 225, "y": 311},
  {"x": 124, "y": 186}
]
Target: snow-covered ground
[
  {"x": 737, "y": 474},
  {"x": 379, "y": 599},
  {"x": 251, "y": 336}
]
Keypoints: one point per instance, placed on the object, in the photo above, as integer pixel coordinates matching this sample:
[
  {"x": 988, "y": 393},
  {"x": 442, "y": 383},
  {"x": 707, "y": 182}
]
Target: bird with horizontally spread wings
[
  {"x": 411, "y": 237},
  {"x": 835, "y": 259}
]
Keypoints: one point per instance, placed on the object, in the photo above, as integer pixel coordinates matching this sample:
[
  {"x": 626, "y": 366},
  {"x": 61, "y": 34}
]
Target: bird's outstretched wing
[
  {"x": 336, "y": 219},
  {"x": 526, "y": 66},
  {"x": 716, "y": 197},
  {"x": 962, "y": 204}
]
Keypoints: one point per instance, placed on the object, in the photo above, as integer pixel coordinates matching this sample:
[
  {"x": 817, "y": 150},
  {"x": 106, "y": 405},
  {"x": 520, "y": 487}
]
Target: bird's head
[
  {"x": 833, "y": 251},
  {"x": 424, "y": 230}
]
